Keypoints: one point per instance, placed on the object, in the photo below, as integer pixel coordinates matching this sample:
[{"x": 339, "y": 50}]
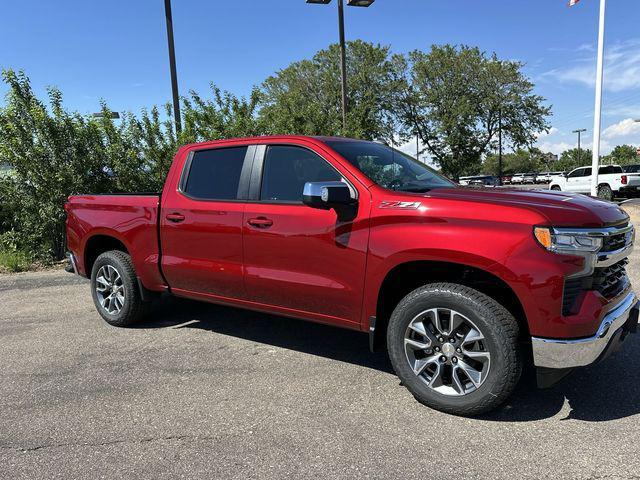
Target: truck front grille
[
  {"x": 611, "y": 281},
  {"x": 614, "y": 242}
]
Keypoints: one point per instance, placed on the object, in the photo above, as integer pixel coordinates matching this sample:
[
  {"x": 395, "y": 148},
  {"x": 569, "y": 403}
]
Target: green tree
[
  {"x": 305, "y": 97},
  {"x": 623, "y": 155},
  {"x": 573, "y": 158},
  {"x": 455, "y": 98},
  {"x": 520, "y": 161},
  {"x": 222, "y": 116},
  {"x": 54, "y": 153}
]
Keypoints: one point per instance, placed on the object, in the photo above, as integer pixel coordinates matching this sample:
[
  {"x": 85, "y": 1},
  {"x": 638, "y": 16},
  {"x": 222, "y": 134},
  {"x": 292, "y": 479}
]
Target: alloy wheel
[
  {"x": 110, "y": 289},
  {"x": 447, "y": 351}
]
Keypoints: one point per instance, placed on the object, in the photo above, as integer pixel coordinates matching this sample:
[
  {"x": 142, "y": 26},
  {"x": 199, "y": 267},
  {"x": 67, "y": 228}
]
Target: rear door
[
  {"x": 303, "y": 260},
  {"x": 201, "y": 223}
]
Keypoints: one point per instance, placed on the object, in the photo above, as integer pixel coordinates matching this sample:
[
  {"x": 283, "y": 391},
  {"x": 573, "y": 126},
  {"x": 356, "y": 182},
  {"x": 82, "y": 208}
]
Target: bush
[
  {"x": 14, "y": 261},
  {"x": 54, "y": 153}
]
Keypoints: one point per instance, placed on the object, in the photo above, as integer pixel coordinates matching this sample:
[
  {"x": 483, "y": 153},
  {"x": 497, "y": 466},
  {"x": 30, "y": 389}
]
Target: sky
[{"x": 116, "y": 50}]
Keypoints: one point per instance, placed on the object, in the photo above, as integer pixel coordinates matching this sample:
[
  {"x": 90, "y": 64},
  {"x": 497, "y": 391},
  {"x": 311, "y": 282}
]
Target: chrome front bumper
[{"x": 562, "y": 354}]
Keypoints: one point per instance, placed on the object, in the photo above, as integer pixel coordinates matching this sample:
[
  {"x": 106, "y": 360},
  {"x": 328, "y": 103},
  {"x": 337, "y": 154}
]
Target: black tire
[
  {"x": 500, "y": 330},
  {"x": 556, "y": 188},
  {"x": 605, "y": 192},
  {"x": 133, "y": 308}
]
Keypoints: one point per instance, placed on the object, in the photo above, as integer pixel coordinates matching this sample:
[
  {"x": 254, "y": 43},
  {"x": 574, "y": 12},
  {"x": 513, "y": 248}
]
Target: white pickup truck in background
[{"x": 612, "y": 182}]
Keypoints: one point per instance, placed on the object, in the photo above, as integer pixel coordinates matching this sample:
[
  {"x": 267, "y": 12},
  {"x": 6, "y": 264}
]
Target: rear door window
[{"x": 215, "y": 174}]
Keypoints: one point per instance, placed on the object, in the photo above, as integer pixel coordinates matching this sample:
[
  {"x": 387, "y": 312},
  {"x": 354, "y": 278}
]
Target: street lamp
[
  {"x": 343, "y": 49},
  {"x": 580, "y": 131}
]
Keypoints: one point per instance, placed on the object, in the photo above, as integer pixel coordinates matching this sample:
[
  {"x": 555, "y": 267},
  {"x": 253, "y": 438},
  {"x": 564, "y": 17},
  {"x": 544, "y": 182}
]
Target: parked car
[
  {"x": 612, "y": 182},
  {"x": 506, "y": 179},
  {"x": 544, "y": 177},
  {"x": 518, "y": 178},
  {"x": 460, "y": 285},
  {"x": 529, "y": 178}
]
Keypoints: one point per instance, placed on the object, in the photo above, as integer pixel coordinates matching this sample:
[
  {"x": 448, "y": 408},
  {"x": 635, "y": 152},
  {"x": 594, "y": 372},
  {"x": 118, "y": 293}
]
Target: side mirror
[{"x": 326, "y": 195}]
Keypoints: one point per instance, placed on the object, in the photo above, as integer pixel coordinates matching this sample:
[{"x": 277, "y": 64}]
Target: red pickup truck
[{"x": 462, "y": 286}]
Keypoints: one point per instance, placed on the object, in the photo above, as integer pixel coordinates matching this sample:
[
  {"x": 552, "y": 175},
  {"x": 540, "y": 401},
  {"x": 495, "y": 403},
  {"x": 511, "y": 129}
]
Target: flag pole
[{"x": 597, "y": 120}]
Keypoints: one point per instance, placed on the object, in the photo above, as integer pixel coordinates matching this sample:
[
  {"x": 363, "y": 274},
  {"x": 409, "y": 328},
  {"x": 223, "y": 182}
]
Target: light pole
[
  {"x": 500, "y": 147},
  {"x": 597, "y": 120},
  {"x": 343, "y": 48},
  {"x": 172, "y": 66},
  {"x": 580, "y": 131}
]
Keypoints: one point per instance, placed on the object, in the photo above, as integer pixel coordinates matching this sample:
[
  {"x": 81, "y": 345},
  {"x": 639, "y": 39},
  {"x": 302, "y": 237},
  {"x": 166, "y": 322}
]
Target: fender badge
[{"x": 400, "y": 205}]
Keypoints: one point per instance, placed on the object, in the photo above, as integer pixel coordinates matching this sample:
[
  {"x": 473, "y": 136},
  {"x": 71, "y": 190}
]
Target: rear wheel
[
  {"x": 605, "y": 192},
  {"x": 115, "y": 289},
  {"x": 556, "y": 188},
  {"x": 454, "y": 348}
]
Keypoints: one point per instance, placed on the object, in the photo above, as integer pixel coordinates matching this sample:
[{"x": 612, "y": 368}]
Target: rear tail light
[{"x": 624, "y": 179}]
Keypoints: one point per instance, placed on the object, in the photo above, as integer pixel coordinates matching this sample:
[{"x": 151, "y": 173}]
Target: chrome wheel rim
[
  {"x": 447, "y": 351},
  {"x": 110, "y": 289}
]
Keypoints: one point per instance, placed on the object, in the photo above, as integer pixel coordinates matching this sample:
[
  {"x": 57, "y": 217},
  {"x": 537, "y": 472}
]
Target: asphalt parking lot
[{"x": 202, "y": 391}]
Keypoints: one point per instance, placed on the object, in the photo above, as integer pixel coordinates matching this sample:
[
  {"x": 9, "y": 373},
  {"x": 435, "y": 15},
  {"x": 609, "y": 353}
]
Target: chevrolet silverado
[{"x": 462, "y": 286}]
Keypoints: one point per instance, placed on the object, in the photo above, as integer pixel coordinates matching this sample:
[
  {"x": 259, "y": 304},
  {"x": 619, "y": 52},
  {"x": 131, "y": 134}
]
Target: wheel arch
[
  {"x": 97, "y": 244},
  {"x": 407, "y": 276}
]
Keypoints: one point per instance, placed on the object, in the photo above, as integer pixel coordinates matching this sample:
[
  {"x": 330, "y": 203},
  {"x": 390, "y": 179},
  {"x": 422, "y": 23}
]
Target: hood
[{"x": 562, "y": 209}]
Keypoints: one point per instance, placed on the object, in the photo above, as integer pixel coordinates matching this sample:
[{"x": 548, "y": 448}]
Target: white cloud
[
  {"x": 622, "y": 129},
  {"x": 554, "y": 147},
  {"x": 552, "y": 131},
  {"x": 622, "y": 111},
  {"x": 622, "y": 68}
]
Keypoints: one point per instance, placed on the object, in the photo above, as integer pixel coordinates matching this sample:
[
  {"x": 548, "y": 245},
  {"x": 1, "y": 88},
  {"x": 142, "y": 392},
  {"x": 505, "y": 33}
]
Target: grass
[{"x": 12, "y": 261}]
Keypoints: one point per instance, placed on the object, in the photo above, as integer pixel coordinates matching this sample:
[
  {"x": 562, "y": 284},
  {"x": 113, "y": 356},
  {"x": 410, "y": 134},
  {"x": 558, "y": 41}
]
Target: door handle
[
  {"x": 260, "y": 222},
  {"x": 175, "y": 217}
]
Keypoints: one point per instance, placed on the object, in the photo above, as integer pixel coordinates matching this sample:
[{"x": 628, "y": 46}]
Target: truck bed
[{"x": 132, "y": 219}]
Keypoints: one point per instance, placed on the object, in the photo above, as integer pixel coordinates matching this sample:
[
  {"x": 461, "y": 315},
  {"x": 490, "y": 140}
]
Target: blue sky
[{"x": 117, "y": 50}]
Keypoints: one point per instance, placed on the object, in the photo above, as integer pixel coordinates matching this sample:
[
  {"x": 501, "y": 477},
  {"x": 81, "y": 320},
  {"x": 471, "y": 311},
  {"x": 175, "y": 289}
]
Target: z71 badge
[{"x": 401, "y": 205}]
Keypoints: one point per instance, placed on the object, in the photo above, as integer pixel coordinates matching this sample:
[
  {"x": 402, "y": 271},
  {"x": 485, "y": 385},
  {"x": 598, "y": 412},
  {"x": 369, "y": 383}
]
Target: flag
[{"x": 573, "y": 2}]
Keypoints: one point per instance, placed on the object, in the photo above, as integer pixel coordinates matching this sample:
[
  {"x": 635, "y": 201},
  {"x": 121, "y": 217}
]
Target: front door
[
  {"x": 579, "y": 180},
  {"x": 201, "y": 224},
  {"x": 306, "y": 261}
]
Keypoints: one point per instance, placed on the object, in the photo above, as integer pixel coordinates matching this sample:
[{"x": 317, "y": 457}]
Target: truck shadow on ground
[{"x": 603, "y": 392}]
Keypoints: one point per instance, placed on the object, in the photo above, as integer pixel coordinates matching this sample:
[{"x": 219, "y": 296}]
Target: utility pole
[
  {"x": 172, "y": 66},
  {"x": 579, "y": 132},
  {"x": 343, "y": 65},
  {"x": 597, "y": 120}
]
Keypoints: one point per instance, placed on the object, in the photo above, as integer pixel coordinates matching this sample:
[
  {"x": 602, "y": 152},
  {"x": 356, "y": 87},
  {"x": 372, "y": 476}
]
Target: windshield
[{"x": 389, "y": 168}]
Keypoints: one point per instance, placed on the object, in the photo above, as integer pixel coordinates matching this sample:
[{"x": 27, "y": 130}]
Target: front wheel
[
  {"x": 455, "y": 348},
  {"x": 555, "y": 188},
  {"x": 115, "y": 290}
]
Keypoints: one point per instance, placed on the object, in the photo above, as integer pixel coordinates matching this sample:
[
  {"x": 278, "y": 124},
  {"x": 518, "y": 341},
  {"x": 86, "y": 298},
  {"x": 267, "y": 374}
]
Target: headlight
[{"x": 567, "y": 242}]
